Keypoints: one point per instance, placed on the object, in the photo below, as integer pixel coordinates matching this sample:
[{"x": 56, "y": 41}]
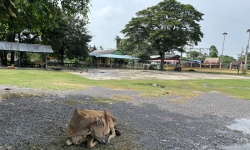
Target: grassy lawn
[{"x": 61, "y": 80}]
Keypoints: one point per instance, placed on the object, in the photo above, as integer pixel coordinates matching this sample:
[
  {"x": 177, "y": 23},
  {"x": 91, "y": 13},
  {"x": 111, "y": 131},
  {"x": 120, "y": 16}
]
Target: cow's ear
[{"x": 98, "y": 120}]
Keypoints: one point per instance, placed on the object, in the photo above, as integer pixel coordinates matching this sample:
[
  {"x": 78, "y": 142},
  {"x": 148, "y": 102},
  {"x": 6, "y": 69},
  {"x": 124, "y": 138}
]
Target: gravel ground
[
  {"x": 36, "y": 119},
  {"x": 127, "y": 74}
]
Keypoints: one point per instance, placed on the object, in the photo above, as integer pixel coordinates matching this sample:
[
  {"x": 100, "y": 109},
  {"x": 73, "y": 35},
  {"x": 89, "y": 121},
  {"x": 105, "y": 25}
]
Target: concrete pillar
[
  {"x": 45, "y": 61},
  {"x": 110, "y": 62}
]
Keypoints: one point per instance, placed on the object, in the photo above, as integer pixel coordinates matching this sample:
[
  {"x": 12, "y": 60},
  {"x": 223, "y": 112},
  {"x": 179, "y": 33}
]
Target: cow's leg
[
  {"x": 78, "y": 139},
  {"x": 91, "y": 142},
  {"x": 69, "y": 142},
  {"x": 112, "y": 129},
  {"x": 75, "y": 140}
]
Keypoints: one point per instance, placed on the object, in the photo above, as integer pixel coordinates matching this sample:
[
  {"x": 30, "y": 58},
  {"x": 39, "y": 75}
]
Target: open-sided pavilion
[
  {"x": 104, "y": 57},
  {"x": 20, "y": 48}
]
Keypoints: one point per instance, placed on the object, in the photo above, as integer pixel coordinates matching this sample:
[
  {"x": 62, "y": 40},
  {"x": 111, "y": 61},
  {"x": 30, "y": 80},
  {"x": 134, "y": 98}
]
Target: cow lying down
[{"x": 91, "y": 126}]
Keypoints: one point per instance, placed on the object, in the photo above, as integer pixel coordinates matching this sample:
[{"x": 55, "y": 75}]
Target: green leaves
[
  {"x": 37, "y": 15},
  {"x": 167, "y": 26},
  {"x": 213, "y": 52}
]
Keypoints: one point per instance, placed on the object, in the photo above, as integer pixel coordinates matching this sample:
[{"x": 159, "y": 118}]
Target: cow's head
[
  {"x": 83, "y": 124},
  {"x": 79, "y": 123},
  {"x": 97, "y": 131}
]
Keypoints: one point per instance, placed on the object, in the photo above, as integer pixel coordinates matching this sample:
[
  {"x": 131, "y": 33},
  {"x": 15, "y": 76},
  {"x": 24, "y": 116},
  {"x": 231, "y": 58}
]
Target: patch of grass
[
  {"x": 61, "y": 80},
  {"x": 121, "y": 97},
  {"x": 13, "y": 95},
  {"x": 71, "y": 102},
  {"x": 104, "y": 100}
]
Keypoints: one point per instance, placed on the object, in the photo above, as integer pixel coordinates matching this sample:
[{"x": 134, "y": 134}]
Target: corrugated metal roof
[
  {"x": 23, "y": 47},
  {"x": 211, "y": 60},
  {"x": 165, "y": 56},
  {"x": 103, "y": 51},
  {"x": 114, "y": 56}
]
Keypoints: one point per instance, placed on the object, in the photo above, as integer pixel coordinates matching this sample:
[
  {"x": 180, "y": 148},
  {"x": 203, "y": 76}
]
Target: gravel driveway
[{"x": 36, "y": 119}]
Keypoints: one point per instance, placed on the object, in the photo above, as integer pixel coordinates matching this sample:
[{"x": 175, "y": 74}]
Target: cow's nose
[{"x": 104, "y": 141}]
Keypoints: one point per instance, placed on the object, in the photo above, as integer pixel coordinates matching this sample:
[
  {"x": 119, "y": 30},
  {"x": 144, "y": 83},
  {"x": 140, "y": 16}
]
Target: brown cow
[
  {"x": 41, "y": 63},
  {"x": 11, "y": 67},
  {"x": 88, "y": 125}
]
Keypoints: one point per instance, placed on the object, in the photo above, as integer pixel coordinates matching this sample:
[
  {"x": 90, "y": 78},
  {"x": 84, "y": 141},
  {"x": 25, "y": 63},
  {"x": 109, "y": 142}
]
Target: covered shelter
[
  {"x": 24, "y": 47},
  {"x": 167, "y": 58},
  {"x": 104, "y": 57},
  {"x": 211, "y": 62},
  {"x": 155, "y": 61}
]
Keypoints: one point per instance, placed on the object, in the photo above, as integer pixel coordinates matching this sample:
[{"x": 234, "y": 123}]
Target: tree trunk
[
  {"x": 4, "y": 58},
  {"x": 12, "y": 59},
  {"x": 162, "y": 55},
  {"x": 12, "y": 39},
  {"x": 21, "y": 58},
  {"x": 62, "y": 51}
]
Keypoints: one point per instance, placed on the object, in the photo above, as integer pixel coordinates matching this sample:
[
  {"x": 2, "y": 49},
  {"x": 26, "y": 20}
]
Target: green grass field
[{"x": 61, "y": 80}]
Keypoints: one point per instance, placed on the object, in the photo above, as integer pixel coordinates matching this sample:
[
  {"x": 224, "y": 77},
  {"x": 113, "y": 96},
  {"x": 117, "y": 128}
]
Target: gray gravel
[{"x": 39, "y": 118}]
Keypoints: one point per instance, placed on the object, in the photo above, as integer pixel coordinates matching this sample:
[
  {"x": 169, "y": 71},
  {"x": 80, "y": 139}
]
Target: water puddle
[
  {"x": 157, "y": 85},
  {"x": 237, "y": 147},
  {"x": 241, "y": 125}
]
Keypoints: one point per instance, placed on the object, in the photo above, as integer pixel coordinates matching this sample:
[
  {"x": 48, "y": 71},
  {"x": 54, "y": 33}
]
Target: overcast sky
[{"x": 107, "y": 18}]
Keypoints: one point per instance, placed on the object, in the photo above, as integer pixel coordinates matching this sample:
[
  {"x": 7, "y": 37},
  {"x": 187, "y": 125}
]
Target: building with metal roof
[
  {"x": 24, "y": 47},
  {"x": 103, "y": 57}
]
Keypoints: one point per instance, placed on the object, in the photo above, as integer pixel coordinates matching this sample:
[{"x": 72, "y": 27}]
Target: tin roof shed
[{"x": 24, "y": 47}]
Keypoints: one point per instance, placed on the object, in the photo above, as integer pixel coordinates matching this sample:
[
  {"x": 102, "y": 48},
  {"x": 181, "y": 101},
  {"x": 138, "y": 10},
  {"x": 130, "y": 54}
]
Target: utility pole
[
  {"x": 223, "y": 45},
  {"x": 240, "y": 60},
  {"x": 245, "y": 66}
]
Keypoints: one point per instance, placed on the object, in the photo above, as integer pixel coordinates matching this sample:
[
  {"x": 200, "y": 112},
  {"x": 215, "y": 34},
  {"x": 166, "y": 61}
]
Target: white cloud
[
  {"x": 109, "y": 17},
  {"x": 108, "y": 12}
]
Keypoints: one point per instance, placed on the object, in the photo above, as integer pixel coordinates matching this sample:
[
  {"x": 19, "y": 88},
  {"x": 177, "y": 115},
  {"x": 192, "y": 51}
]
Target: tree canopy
[
  {"x": 47, "y": 22},
  {"x": 213, "y": 52},
  {"x": 37, "y": 15},
  {"x": 167, "y": 26}
]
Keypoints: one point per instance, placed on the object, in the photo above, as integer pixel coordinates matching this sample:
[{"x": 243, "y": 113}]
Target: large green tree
[
  {"x": 167, "y": 26},
  {"x": 213, "y": 52},
  {"x": 77, "y": 38},
  {"x": 69, "y": 40},
  {"x": 7, "y": 10},
  {"x": 37, "y": 15},
  {"x": 194, "y": 54},
  {"x": 227, "y": 59},
  {"x": 29, "y": 18}
]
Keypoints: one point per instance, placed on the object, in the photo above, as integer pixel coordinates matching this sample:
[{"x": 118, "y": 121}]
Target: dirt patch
[{"x": 121, "y": 74}]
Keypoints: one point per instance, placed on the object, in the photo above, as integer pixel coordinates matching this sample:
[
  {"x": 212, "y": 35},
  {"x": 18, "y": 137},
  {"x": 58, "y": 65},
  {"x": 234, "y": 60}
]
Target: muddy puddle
[
  {"x": 243, "y": 126},
  {"x": 237, "y": 147}
]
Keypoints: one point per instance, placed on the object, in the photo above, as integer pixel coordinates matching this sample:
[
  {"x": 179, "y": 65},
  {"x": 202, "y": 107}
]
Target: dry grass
[
  {"x": 19, "y": 95},
  {"x": 71, "y": 102},
  {"x": 104, "y": 101},
  {"x": 121, "y": 97}
]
